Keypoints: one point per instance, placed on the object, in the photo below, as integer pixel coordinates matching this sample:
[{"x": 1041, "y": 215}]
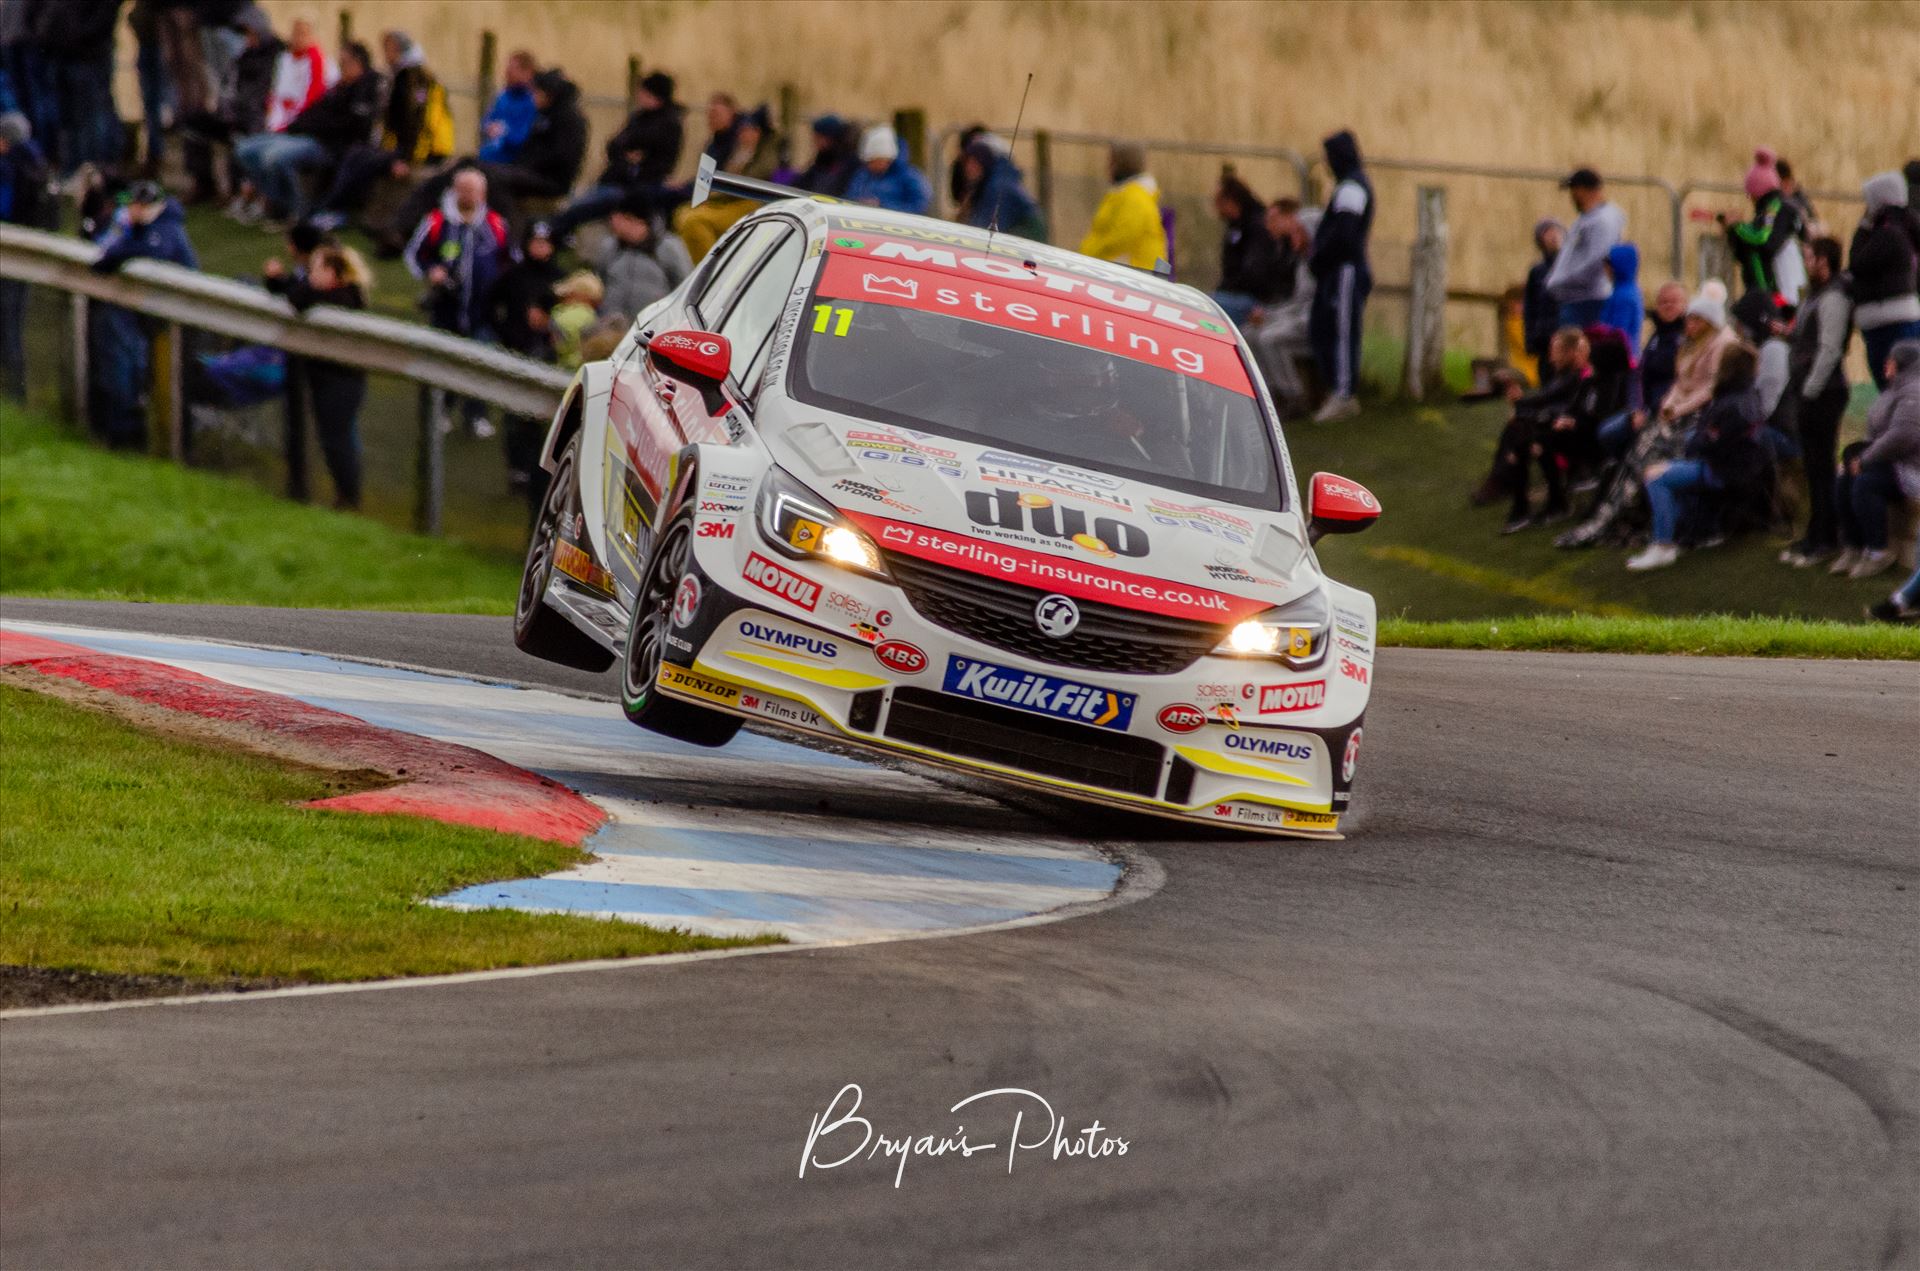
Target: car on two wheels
[{"x": 965, "y": 499}]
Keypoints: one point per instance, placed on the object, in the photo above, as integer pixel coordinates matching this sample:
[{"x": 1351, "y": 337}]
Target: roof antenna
[{"x": 993, "y": 222}]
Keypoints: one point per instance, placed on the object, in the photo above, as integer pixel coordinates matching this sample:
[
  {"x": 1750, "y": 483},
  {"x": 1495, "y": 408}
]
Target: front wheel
[
  {"x": 652, "y": 618},
  {"x": 537, "y": 629}
]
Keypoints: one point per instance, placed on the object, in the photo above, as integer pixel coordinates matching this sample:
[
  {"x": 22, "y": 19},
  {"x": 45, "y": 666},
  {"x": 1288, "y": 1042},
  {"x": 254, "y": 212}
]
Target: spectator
[
  {"x": 1540, "y": 431},
  {"x": 640, "y": 263},
  {"x": 519, "y": 310},
  {"x": 1902, "y": 606},
  {"x": 579, "y": 298},
  {"x": 1342, "y": 278},
  {"x": 316, "y": 139},
  {"x": 886, "y": 179},
  {"x": 835, "y": 158},
  {"x": 1721, "y": 453},
  {"x": 1884, "y": 471},
  {"x": 459, "y": 249},
  {"x": 640, "y": 157},
  {"x": 75, "y": 37},
  {"x": 1252, "y": 274},
  {"x": 1623, "y": 309},
  {"x": 1796, "y": 198},
  {"x": 1817, "y": 394},
  {"x": 1578, "y": 280},
  {"x": 511, "y": 113},
  {"x": 1663, "y": 344},
  {"x": 23, "y": 201},
  {"x": 723, "y": 126},
  {"x": 1767, "y": 248},
  {"x": 1540, "y": 316},
  {"x": 150, "y": 73},
  {"x": 416, "y": 132},
  {"x": 336, "y": 275},
  {"x": 150, "y": 226},
  {"x": 1127, "y": 228},
  {"x": 996, "y": 194},
  {"x": 302, "y": 74},
  {"x": 1280, "y": 342},
  {"x": 239, "y": 107},
  {"x": 755, "y": 150},
  {"x": 1883, "y": 266},
  {"x": 957, "y": 170}
]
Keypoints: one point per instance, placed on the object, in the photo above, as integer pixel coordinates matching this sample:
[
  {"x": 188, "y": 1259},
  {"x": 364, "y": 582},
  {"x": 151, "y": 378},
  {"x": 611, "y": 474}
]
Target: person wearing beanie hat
[
  {"x": 1767, "y": 247},
  {"x": 1879, "y": 475},
  {"x": 641, "y": 157},
  {"x": 1540, "y": 316},
  {"x": 834, "y": 158},
  {"x": 886, "y": 178},
  {"x": 1883, "y": 266}
]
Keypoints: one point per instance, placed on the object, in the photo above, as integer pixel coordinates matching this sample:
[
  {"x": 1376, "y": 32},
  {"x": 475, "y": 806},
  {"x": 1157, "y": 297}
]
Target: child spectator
[
  {"x": 1540, "y": 315},
  {"x": 579, "y": 296},
  {"x": 1817, "y": 394},
  {"x": 639, "y": 263},
  {"x": 1252, "y": 275},
  {"x": 1623, "y": 309},
  {"x": 886, "y": 179},
  {"x": 335, "y": 275},
  {"x": 1721, "y": 452},
  {"x": 1883, "y": 471},
  {"x": 1882, "y": 265}
]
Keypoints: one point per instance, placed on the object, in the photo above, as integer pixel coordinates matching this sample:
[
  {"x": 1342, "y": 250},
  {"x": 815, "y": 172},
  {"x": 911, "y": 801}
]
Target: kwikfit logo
[
  {"x": 1038, "y": 694},
  {"x": 785, "y": 584},
  {"x": 761, "y": 633},
  {"x": 1272, "y": 748},
  {"x": 1005, "y": 509}
]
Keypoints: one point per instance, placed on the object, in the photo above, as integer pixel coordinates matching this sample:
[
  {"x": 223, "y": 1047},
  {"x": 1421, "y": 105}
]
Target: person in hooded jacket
[
  {"x": 834, "y": 158},
  {"x": 1624, "y": 309},
  {"x": 1539, "y": 313},
  {"x": 886, "y": 178},
  {"x": 1721, "y": 452},
  {"x": 1252, "y": 271},
  {"x": 24, "y": 200},
  {"x": 550, "y": 158},
  {"x": 1127, "y": 228},
  {"x": 640, "y": 262},
  {"x": 1883, "y": 266},
  {"x": 1342, "y": 277},
  {"x": 996, "y": 191},
  {"x": 640, "y": 157},
  {"x": 1886, "y": 469},
  {"x": 1766, "y": 247},
  {"x": 416, "y": 132},
  {"x": 150, "y": 226}
]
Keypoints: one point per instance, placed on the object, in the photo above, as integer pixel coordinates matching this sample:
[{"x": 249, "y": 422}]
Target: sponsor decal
[
  {"x": 898, "y": 655},
  {"x": 1354, "y": 624},
  {"x": 1353, "y": 646},
  {"x": 1354, "y": 670},
  {"x": 873, "y": 494},
  {"x": 890, "y": 286},
  {"x": 720, "y": 484},
  {"x": 1041, "y": 489},
  {"x": 1124, "y": 324},
  {"x": 1227, "y": 713},
  {"x": 1284, "y": 818},
  {"x": 1182, "y": 717},
  {"x": 1268, "y": 747},
  {"x": 1025, "y": 514},
  {"x": 1335, "y": 487},
  {"x": 890, "y": 447},
  {"x": 1352, "y": 756},
  {"x": 1082, "y": 581},
  {"x": 853, "y": 607},
  {"x": 680, "y": 342},
  {"x": 780, "y": 708},
  {"x": 1025, "y": 465},
  {"x": 577, "y": 565},
  {"x": 686, "y": 600},
  {"x": 722, "y": 507},
  {"x": 791, "y": 641},
  {"x": 783, "y": 583},
  {"x": 1277, "y": 698},
  {"x": 1297, "y": 820},
  {"x": 1038, "y": 694},
  {"x": 694, "y": 684},
  {"x": 676, "y": 643},
  {"x": 1202, "y": 519},
  {"x": 867, "y": 631},
  {"x": 1216, "y": 692},
  {"x": 1056, "y": 616},
  {"x": 713, "y": 529}
]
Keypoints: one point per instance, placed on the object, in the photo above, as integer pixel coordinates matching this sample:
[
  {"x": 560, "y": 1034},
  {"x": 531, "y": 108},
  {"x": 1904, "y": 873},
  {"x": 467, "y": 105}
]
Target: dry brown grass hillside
[{"x": 1680, "y": 91}]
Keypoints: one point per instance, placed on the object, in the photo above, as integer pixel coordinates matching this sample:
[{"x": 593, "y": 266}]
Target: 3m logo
[
  {"x": 714, "y": 529},
  {"x": 1353, "y": 670},
  {"x": 898, "y": 655},
  {"x": 1277, "y": 698},
  {"x": 785, "y": 584}
]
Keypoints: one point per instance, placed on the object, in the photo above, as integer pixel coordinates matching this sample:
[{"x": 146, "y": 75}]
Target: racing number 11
[{"x": 842, "y": 319}]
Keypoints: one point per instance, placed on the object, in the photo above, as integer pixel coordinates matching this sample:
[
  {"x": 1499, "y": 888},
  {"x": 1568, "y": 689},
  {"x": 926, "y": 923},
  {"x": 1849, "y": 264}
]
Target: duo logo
[{"x": 1038, "y": 694}]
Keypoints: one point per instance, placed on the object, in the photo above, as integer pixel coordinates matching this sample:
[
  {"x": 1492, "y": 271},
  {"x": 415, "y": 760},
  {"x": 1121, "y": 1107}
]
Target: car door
[{"x": 751, "y": 317}]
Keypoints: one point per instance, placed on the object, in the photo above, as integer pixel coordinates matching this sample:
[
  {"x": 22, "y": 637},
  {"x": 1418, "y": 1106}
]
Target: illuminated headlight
[
  {"x": 1295, "y": 633},
  {"x": 798, "y": 523}
]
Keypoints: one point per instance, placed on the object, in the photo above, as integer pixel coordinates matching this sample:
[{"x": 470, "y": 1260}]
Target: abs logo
[
  {"x": 1004, "y": 509},
  {"x": 1182, "y": 717},
  {"x": 714, "y": 529},
  {"x": 898, "y": 655},
  {"x": 1056, "y": 616},
  {"x": 1277, "y": 698},
  {"x": 785, "y": 584},
  {"x": 761, "y": 633},
  {"x": 1270, "y": 747}
]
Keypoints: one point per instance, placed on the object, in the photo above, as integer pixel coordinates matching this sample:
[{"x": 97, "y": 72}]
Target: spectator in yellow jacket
[{"x": 1126, "y": 226}]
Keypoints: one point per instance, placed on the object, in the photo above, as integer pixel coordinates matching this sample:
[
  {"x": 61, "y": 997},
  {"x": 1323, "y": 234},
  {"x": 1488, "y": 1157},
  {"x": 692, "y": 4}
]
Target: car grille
[
  {"x": 1000, "y": 613},
  {"x": 1031, "y": 743}
]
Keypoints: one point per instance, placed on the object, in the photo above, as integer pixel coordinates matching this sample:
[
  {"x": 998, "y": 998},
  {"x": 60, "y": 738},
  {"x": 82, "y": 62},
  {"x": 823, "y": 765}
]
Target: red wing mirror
[
  {"x": 698, "y": 359},
  {"x": 1336, "y": 505}
]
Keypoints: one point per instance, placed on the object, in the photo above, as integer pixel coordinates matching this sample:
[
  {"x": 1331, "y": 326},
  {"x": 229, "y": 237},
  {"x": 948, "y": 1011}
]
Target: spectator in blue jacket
[
  {"x": 510, "y": 116},
  {"x": 995, "y": 191},
  {"x": 1624, "y": 310},
  {"x": 150, "y": 226},
  {"x": 885, "y": 178}
]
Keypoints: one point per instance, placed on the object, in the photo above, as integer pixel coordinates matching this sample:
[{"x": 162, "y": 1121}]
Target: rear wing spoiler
[{"x": 709, "y": 180}]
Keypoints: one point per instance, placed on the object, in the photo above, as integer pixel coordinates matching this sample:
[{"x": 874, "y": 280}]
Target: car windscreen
[{"x": 1071, "y": 402}]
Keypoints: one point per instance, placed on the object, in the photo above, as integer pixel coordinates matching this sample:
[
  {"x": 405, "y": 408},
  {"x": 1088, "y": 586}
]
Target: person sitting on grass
[
  {"x": 1884, "y": 470},
  {"x": 316, "y": 138},
  {"x": 1252, "y": 272},
  {"x": 1722, "y": 452},
  {"x": 1538, "y": 433}
]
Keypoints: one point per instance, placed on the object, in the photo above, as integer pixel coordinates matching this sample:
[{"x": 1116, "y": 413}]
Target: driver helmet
[{"x": 1077, "y": 385}]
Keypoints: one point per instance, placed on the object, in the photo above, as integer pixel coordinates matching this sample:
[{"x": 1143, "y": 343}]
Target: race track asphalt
[{"x": 1620, "y": 970}]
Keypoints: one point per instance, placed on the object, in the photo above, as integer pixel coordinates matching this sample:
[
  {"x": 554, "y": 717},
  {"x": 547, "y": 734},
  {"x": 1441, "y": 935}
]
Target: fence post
[
  {"x": 910, "y": 124},
  {"x": 483, "y": 87},
  {"x": 1043, "y": 176},
  {"x": 79, "y": 401},
  {"x": 1427, "y": 297},
  {"x": 346, "y": 28},
  {"x": 634, "y": 74},
  {"x": 168, "y": 393},
  {"x": 1716, "y": 259},
  {"x": 788, "y": 121},
  {"x": 430, "y": 476}
]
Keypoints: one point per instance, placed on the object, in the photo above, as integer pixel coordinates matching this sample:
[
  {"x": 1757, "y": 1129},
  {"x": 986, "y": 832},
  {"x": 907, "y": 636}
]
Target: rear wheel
[
  {"x": 538, "y": 629},
  {"x": 646, "y": 648}
]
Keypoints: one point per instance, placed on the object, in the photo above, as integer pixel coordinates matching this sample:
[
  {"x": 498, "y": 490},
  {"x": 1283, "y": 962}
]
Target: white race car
[{"x": 965, "y": 499}]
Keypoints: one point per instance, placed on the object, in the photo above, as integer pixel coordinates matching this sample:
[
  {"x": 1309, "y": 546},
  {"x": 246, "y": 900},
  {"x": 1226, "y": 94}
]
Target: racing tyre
[
  {"x": 537, "y": 629},
  {"x": 646, "y": 647}
]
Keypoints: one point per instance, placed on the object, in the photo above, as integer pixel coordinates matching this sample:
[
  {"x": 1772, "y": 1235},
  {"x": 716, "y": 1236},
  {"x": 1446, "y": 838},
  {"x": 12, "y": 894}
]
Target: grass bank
[
  {"x": 81, "y": 523},
  {"x": 1711, "y": 636},
  {"x": 131, "y": 853}
]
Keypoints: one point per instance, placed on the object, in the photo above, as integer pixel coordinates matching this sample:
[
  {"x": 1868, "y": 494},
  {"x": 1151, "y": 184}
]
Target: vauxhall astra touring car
[{"x": 966, "y": 499}]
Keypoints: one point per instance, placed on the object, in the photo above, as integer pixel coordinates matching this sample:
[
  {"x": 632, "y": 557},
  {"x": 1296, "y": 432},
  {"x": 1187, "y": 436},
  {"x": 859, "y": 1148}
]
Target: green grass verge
[
  {"x": 1714, "y": 635},
  {"x": 78, "y": 522},
  {"x": 131, "y": 853}
]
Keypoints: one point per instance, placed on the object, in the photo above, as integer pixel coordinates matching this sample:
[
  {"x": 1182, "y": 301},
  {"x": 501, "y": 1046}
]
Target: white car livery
[{"x": 965, "y": 499}]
